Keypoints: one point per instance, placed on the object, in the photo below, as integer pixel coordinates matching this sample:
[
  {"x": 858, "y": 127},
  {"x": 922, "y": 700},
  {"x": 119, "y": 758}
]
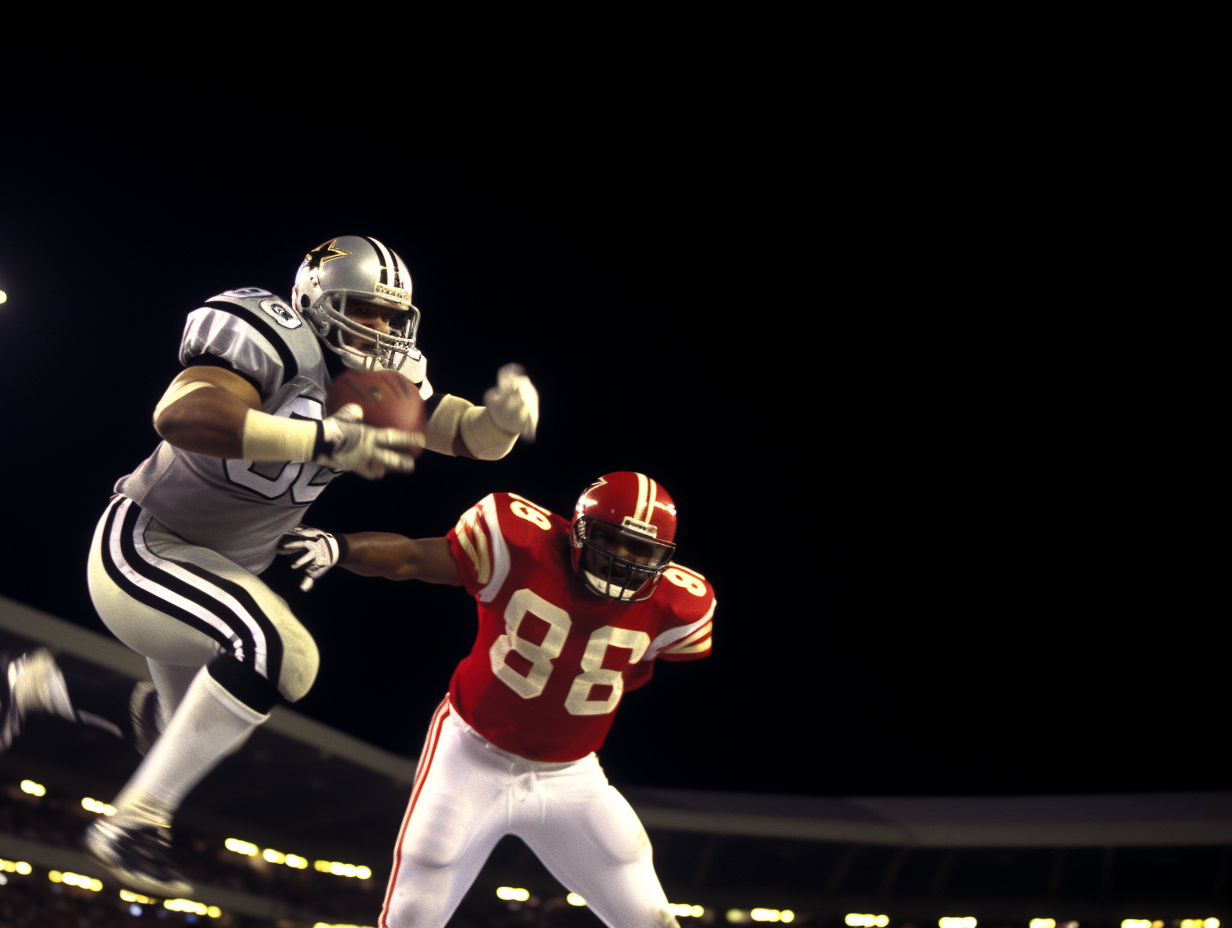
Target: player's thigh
[
  {"x": 453, "y": 822},
  {"x": 178, "y": 603},
  {"x": 140, "y": 618},
  {"x": 457, "y": 805},
  {"x": 594, "y": 843}
]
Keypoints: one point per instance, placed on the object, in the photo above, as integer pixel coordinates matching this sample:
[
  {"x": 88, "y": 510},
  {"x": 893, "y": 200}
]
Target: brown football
[{"x": 387, "y": 398}]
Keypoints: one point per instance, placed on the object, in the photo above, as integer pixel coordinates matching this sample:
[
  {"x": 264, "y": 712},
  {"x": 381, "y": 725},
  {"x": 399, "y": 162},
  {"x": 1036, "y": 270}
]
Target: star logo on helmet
[{"x": 323, "y": 253}]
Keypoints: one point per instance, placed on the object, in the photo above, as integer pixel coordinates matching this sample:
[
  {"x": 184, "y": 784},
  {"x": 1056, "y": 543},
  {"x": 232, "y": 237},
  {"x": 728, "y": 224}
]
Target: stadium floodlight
[
  {"x": 246, "y": 848},
  {"x": 99, "y": 808}
]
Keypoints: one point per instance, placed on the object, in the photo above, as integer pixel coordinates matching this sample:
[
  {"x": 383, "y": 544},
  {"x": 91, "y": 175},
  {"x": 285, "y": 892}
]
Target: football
[{"x": 387, "y": 398}]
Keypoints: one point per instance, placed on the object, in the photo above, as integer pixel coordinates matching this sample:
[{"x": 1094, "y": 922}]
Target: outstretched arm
[
  {"x": 396, "y": 557},
  {"x": 369, "y": 554}
]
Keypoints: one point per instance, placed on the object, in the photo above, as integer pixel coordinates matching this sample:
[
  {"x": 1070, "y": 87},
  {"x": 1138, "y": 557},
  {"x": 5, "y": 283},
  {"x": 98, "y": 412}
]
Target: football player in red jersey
[{"x": 571, "y": 615}]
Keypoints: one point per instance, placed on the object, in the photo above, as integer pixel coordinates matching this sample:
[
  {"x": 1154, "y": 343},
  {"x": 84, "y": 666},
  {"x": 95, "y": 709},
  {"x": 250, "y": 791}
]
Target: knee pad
[{"x": 300, "y": 660}]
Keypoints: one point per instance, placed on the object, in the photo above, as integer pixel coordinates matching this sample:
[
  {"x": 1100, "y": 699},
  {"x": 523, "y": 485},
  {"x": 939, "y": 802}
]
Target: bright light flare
[
  {"x": 512, "y": 894},
  {"x": 76, "y": 879},
  {"x": 686, "y": 911}
]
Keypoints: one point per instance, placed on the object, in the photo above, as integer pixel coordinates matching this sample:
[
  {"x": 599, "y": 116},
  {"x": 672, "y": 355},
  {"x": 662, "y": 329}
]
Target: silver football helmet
[{"x": 356, "y": 267}]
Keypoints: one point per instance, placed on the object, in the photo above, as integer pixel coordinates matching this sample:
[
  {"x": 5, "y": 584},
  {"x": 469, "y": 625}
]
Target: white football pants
[
  {"x": 180, "y": 606},
  {"x": 468, "y": 794}
]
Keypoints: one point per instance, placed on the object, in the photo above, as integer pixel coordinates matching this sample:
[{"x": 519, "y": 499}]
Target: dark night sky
[{"x": 935, "y": 551}]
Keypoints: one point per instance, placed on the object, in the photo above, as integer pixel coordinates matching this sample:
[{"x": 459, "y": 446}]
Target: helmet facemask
[
  {"x": 380, "y": 350},
  {"x": 618, "y": 563}
]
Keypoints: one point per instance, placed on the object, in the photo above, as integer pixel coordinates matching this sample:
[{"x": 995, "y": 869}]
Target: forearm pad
[{"x": 455, "y": 416}]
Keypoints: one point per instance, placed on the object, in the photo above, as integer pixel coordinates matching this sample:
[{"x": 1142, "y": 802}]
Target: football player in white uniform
[
  {"x": 571, "y": 616},
  {"x": 175, "y": 562}
]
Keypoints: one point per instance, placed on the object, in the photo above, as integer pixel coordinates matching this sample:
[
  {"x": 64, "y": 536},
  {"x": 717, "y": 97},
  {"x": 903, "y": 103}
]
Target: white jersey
[{"x": 241, "y": 508}]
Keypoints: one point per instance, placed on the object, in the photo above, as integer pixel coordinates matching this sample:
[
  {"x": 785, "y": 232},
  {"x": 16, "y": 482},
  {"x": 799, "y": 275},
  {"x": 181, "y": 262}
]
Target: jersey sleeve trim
[
  {"x": 479, "y": 537},
  {"x": 687, "y": 641}
]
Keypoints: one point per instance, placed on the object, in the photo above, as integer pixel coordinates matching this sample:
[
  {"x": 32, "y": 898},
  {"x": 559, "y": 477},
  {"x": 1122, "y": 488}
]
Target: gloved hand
[
  {"x": 513, "y": 403},
  {"x": 319, "y": 551},
  {"x": 347, "y": 444}
]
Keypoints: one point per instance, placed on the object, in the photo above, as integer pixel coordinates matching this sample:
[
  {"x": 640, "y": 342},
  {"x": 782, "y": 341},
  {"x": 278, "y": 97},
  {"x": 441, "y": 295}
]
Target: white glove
[
  {"x": 347, "y": 444},
  {"x": 513, "y": 403},
  {"x": 319, "y": 551}
]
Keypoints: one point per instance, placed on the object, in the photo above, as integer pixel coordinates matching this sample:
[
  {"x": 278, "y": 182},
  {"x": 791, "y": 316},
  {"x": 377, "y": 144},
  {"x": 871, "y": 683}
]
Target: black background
[{"x": 949, "y": 553}]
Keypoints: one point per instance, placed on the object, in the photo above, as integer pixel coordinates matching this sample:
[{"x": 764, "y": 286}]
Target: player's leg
[
  {"x": 186, "y": 607},
  {"x": 35, "y": 683},
  {"x": 452, "y": 823},
  {"x": 591, "y": 840}
]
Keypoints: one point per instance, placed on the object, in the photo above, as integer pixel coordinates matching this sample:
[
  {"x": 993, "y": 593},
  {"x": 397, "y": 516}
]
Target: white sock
[{"x": 208, "y": 724}]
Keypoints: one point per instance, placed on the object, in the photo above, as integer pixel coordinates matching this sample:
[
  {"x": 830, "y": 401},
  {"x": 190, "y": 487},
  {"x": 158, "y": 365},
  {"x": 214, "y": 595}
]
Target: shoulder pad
[
  {"x": 688, "y": 602},
  {"x": 258, "y": 335},
  {"x": 498, "y": 524},
  {"x": 262, "y": 301}
]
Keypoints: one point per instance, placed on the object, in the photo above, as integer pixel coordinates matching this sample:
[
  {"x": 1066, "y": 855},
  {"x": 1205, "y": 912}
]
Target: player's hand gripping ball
[{"x": 388, "y": 400}]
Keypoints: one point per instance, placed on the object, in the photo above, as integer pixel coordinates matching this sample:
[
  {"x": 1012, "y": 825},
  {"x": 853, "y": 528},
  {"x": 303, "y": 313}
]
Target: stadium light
[
  {"x": 191, "y": 907},
  {"x": 34, "y": 789},
  {"x": 685, "y": 910},
  {"x": 75, "y": 879},
  {"x": 99, "y": 808},
  {"x": 772, "y": 915},
  {"x": 575, "y": 899},
  {"x": 512, "y": 894}
]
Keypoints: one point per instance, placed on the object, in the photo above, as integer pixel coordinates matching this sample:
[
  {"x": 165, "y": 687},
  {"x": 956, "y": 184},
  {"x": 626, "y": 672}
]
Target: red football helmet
[{"x": 622, "y": 536}]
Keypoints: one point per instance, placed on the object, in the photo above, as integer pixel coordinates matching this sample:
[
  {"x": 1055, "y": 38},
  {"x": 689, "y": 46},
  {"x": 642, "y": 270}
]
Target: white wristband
[
  {"x": 485, "y": 439},
  {"x": 276, "y": 438}
]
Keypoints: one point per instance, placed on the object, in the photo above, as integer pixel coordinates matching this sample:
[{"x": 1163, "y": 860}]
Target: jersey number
[{"x": 532, "y": 683}]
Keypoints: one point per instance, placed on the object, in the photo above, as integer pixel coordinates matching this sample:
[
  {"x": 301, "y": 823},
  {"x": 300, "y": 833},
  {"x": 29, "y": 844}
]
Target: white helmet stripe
[{"x": 647, "y": 490}]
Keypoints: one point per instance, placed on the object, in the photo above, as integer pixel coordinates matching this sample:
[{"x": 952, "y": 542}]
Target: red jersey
[{"x": 552, "y": 659}]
